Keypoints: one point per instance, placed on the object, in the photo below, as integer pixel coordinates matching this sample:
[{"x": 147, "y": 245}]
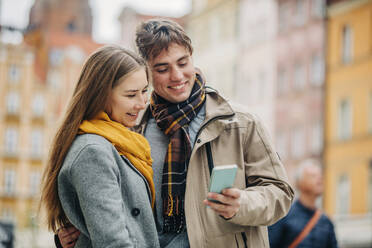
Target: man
[
  {"x": 309, "y": 183},
  {"x": 185, "y": 123}
]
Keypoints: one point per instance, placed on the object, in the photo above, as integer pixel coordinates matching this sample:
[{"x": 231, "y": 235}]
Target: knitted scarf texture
[{"x": 173, "y": 120}]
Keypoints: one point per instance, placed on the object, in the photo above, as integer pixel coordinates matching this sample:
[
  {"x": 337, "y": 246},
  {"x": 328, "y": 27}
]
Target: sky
[{"x": 105, "y": 14}]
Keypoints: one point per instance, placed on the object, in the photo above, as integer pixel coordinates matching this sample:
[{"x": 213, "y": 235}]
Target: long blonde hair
[{"x": 100, "y": 74}]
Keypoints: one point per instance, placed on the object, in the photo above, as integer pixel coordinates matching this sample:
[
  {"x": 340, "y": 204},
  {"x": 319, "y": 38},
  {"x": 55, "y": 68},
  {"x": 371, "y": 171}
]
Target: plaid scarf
[{"x": 173, "y": 120}]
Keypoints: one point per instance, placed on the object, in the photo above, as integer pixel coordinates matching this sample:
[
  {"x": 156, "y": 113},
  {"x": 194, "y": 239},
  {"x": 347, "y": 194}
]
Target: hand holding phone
[{"x": 222, "y": 177}]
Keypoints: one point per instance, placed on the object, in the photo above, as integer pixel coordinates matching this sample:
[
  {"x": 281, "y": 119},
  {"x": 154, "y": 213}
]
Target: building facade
[
  {"x": 37, "y": 78},
  {"x": 348, "y": 126},
  {"x": 213, "y": 29},
  {"x": 256, "y": 60},
  {"x": 24, "y": 130},
  {"x": 130, "y": 18},
  {"x": 300, "y": 81}
]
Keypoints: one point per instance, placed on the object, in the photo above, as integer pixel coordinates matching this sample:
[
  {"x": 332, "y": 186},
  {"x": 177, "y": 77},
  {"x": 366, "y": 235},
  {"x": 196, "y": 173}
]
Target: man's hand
[
  {"x": 68, "y": 236},
  {"x": 229, "y": 202}
]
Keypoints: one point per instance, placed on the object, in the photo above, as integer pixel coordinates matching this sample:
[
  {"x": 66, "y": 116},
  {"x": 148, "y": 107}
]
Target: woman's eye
[{"x": 130, "y": 96}]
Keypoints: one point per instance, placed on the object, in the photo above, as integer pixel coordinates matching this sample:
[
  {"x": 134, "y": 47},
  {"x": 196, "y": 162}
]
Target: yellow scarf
[{"x": 132, "y": 145}]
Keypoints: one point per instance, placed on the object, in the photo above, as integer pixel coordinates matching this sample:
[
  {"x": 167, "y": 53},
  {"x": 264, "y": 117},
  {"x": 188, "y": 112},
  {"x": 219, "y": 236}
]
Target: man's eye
[
  {"x": 161, "y": 70},
  {"x": 130, "y": 96},
  {"x": 182, "y": 63}
]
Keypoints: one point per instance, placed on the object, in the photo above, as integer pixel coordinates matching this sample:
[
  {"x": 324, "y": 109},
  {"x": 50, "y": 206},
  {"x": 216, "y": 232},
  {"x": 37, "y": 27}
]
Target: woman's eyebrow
[{"x": 135, "y": 90}]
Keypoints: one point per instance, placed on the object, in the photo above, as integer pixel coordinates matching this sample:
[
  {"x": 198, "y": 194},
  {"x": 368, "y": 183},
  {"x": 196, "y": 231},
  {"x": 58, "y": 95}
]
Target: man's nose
[{"x": 176, "y": 74}]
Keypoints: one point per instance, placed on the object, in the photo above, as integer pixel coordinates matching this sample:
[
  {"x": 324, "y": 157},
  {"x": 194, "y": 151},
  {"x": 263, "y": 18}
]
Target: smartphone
[{"x": 222, "y": 177}]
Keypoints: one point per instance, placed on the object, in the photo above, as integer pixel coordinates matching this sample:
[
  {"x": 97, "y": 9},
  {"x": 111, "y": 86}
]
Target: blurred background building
[
  {"x": 303, "y": 66},
  {"x": 300, "y": 80},
  {"x": 37, "y": 78},
  {"x": 348, "y": 126}
]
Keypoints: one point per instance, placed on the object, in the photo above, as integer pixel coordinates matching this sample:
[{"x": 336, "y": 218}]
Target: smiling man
[
  {"x": 188, "y": 126},
  {"x": 183, "y": 122},
  {"x": 174, "y": 73}
]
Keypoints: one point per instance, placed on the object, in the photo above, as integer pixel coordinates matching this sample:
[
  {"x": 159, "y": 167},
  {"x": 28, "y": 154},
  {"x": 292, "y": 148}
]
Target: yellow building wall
[
  {"x": 22, "y": 204},
  {"x": 354, "y": 82}
]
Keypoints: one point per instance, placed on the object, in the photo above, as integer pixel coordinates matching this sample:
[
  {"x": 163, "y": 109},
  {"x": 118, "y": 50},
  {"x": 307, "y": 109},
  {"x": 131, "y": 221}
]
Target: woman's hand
[{"x": 68, "y": 236}]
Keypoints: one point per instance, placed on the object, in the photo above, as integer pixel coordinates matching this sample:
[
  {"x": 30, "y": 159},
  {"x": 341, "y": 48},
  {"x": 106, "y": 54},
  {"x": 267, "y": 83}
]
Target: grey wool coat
[{"x": 105, "y": 197}]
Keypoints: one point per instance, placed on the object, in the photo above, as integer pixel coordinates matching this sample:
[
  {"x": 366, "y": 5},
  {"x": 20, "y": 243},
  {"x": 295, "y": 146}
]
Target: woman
[{"x": 99, "y": 174}]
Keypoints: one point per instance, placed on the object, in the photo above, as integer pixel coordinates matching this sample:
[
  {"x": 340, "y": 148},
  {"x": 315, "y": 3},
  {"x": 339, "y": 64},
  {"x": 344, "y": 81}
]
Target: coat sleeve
[
  {"x": 96, "y": 179},
  {"x": 268, "y": 195}
]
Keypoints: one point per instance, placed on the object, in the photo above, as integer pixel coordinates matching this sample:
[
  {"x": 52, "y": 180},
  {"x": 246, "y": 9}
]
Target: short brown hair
[{"x": 155, "y": 35}]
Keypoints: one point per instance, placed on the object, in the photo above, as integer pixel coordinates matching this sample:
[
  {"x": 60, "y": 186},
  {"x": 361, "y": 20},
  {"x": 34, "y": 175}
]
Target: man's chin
[{"x": 178, "y": 99}]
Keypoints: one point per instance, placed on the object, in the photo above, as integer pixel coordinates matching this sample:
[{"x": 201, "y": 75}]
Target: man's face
[
  {"x": 312, "y": 181},
  {"x": 173, "y": 73}
]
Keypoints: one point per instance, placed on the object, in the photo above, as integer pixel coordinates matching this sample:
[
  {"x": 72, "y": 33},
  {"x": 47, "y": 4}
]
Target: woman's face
[{"x": 128, "y": 98}]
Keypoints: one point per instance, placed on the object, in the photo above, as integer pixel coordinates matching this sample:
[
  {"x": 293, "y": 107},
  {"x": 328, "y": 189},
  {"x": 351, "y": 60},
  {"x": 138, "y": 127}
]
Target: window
[
  {"x": 344, "y": 120},
  {"x": 56, "y": 57},
  {"x": 370, "y": 112},
  {"x": 301, "y": 13},
  {"x": 317, "y": 137},
  {"x": 14, "y": 74},
  {"x": 71, "y": 26},
  {"x": 282, "y": 145},
  {"x": 36, "y": 143},
  {"x": 343, "y": 195},
  {"x": 54, "y": 79},
  {"x": 317, "y": 70},
  {"x": 298, "y": 142},
  {"x": 7, "y": 215},
  {"x": 282, "y": 81},
  {"x": 284, "y": 14},
  {"x": 11, "y": 140},
  {"x": 347, "y": 44},
  {"x": 261, "y": 87},
  {"x": 38, "y": 105},
  {"x": 214, "y": 29},
  {"x": 34, "y": 182},
  {"x": 12, "y": 103},
  {"x": 370, "y": 187},
  {"x": 299, "y": 76},
  {"x": 9, "y": 181},
  {"x": 317, "y": 8}
]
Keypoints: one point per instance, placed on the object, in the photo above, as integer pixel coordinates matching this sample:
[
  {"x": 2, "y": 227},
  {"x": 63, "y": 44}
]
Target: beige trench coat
[{"x": 236, "y": 137}]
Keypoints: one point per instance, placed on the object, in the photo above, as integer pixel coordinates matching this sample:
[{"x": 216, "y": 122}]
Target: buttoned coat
[{"x": 105, "y": 197}]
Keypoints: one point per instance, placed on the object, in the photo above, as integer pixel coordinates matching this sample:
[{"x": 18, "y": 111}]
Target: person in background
[
  {"x": 99, "y": 175},
  {"x": 305, "y": 225},
  {"x": 188, "y": 126},
  {"x": 6, "y": 234}
]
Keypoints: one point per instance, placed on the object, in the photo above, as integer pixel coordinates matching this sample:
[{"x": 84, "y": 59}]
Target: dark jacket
[{"x": 285, "y": 231}]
